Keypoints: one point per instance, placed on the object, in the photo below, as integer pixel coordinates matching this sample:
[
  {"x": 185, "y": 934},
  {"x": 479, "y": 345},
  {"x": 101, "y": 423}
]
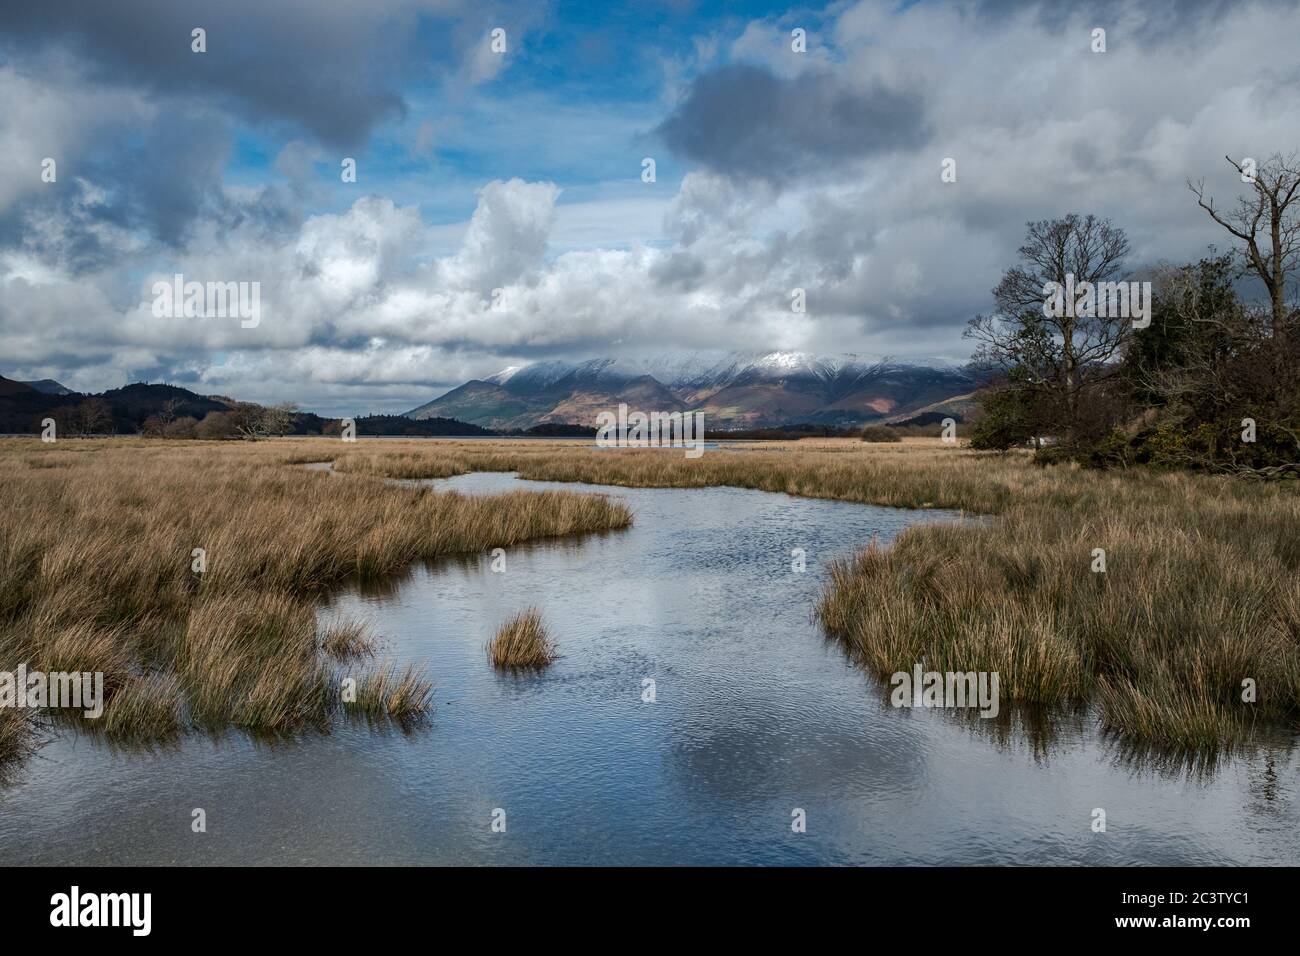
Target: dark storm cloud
[
  {"x": 156, "y": 182},
  {"x": 746, "y": 121},
  {"x": 325, "y": 67}
]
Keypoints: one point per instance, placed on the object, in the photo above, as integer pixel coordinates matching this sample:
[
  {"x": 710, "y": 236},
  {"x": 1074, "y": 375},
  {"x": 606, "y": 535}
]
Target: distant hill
[
  {"x": 125, "y": 411},
  {"x": 9, "y": 387},
  {"x": 132, "y": 404},
  {"x": 737, "y": 390},
  {"x": 47, "y": 386}
]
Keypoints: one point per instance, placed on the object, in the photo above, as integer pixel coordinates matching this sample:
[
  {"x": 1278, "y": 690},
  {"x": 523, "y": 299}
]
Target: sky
[{"x": 501, "y": 212}]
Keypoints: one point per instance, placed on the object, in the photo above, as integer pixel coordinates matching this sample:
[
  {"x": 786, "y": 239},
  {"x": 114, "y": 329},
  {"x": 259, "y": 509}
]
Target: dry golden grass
[
  {"x": 347, "y": 640},
  {"x": 1201, "y": 591},
  {"x": 98, "y": 542},
  {"x": 16, "y": 740},
  {"x": 384, "y": 693},
  {"x": 521, "y": 643}
]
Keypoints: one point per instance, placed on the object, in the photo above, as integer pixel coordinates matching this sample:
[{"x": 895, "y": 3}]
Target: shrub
[{"x": 880, "y": 433}]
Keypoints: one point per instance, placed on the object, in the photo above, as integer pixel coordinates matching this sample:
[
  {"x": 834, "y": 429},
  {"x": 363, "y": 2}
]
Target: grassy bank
[
  {"x": 1200, "y": 592},
  {"x": 99, "y": 545}
]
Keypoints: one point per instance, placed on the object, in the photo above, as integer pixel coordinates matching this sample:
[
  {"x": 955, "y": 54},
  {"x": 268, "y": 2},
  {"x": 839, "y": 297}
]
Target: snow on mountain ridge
[{"x": 706, "y": 370}]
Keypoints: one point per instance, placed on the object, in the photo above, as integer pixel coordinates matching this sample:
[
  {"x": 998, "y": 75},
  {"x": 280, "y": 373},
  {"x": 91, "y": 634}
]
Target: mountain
[
  {"x": 9, "y": 387},
  {"x": 481, "y": 403},
  {"x": 24, "y": 406},
  {"x": 734, "y": 390},
  {"x": 47, "y": 386}
]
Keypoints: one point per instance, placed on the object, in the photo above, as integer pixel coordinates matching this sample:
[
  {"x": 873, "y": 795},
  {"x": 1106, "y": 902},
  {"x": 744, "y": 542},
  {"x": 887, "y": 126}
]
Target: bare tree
[
  {"x": 169, "y": 410},
  {"x": 92, "y": 416},
  {"x": 278, "y": 419},
  {"x": 1063, "y": 354},
  {"x": 1267, "y": 222},
  {"x": 253, "y": 421},
  {"x": 246, "y": 419}
]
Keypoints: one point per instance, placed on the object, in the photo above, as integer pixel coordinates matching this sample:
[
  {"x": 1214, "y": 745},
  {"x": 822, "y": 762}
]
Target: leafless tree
[
  {"x": 1066, "y": 354},
  {"x": 91, "y": 417},
  {"x": 278, "y": 419},
  {"x": 254, "y": 421},
  {"x": 169, "y": 410},
  {"x": 1267, "y": 222}
]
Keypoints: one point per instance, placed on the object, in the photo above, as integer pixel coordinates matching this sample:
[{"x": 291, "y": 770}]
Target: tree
[
  {"x": 1063, "y": 355},
  {"x": 1267, "y": 222},
  {"x": 169, "y": 410},
  {"x": 215, "y": 426},
  {"x": 91, "y": 417},
  {"x": 1197, "y": 326},
  {"x": 185, "y": 427},
  {"x": 279, "y": 419},
  {"x": 1206, "y": 366},
  {"x": 1013, "y": 414},
  {"x": 254, "y": 421}
]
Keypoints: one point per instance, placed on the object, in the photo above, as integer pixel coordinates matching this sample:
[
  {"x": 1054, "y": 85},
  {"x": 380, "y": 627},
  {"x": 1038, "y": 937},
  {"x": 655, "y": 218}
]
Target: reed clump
[
  {"x": 384, "y": 692},
  {"x": 522, "y": 643},
  {"x": 189, "y": 576},
  {"x": 347, "y": 640}
]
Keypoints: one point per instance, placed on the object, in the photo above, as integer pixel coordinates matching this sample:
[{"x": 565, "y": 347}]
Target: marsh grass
[
  {"x": 347, "y": 640},
  {"x": 522, "y": 643},
  {"x": 384, "y": 693},
  {"x": 17, "y": 740},
  {"x": 1201, "y": 591},
  {"x": 1198, "y": 596},
  {"x": 97, "y": 542},
  {"x": 1202, "y": 588}
]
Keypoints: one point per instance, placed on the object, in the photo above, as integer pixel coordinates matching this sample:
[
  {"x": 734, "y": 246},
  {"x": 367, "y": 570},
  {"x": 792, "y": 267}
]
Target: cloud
[
  {"x": 745, "y": 120},
  {"x": 507, "y": 236},
  {"x": 824, "y": 178},
  {"x": 329, "y": 67}
]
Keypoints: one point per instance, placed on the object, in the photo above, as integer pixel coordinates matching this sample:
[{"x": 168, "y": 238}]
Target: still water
[{"x": 754, "y": 715}]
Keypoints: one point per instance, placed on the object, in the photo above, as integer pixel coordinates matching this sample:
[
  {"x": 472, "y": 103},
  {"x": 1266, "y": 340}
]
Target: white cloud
[{"x": 369, "y": 304}]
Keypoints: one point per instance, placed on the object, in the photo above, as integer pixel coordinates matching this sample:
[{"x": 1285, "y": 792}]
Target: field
[{"x": 1189, "y": 639}]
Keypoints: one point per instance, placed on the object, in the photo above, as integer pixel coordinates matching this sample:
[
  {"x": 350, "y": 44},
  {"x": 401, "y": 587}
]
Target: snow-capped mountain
[{"x": 734, "y": 389}]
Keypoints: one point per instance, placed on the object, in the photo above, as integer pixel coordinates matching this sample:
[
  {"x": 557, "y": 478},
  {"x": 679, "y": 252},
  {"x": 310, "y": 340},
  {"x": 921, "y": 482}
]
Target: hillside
[{"x": 734, "y": 390}]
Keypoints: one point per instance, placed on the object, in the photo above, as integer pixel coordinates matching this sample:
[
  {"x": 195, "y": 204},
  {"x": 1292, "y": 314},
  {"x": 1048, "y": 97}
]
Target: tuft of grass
[
  {"x": 384, "y": 693},
  {"x": 143, "y": 709},
  {"x": 522, "y": 642},
  {"x": 17, "y": 739},
  {"x": 1196, "y": 600},
  {"x": 347, "y": 640}
]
